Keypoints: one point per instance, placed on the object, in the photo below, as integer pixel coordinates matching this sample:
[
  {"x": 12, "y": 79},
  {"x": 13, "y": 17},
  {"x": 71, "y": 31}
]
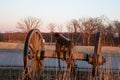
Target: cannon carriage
[{"x": 34, "y": 55}]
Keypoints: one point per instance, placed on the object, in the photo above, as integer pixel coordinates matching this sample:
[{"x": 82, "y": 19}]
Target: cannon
[{"x": 34, "y": 55}]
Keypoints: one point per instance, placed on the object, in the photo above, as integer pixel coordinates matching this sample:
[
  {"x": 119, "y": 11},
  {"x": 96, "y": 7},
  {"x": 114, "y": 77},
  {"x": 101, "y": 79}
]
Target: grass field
[
  {"x": 107, "y": 74},
  {"x": 79, "y": 49}
]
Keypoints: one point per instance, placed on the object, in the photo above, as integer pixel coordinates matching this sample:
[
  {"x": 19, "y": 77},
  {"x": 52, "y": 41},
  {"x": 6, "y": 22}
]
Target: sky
[{"x": 54, "y": 11}]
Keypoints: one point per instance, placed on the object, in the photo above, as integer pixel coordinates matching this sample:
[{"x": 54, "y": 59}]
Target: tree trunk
[
  {"x": 51, "y": 37},
  {"x": 89, "y": 36},
  {"x": 83, "y": 38}
]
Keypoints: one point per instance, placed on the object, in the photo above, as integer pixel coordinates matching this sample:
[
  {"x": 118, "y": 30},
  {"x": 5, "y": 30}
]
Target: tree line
[
  {"x": 20, "y": 37},
  {"x": 80, "y": 31}
]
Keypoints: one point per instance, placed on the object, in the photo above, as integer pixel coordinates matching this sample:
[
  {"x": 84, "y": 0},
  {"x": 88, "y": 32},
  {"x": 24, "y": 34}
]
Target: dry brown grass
[
  {"x": 106, "y": 50},
  {"x": 107, "y": 74}
]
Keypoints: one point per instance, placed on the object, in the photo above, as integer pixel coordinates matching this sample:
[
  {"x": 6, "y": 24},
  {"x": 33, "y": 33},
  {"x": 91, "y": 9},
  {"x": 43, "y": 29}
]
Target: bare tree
[
  {"x": 72, "y": 28},
  {"x": 90, "y": 26},
  {"x": 117, "y": 29},
  {"x": 28, "y": 23},
  {"x": 60, "y": 27},
  {"x": 75, "y": 25},
  {"x": 69, "y": 29},
  {"x": 116, "y": 24},
  {"x": 82, "y": 31},
  {"x": 110, "y": 30},
  {"x": 51, "y": 27}
]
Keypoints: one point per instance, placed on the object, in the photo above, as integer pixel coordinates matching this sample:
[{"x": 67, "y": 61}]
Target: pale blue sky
[{"x": 56, "y": 11}]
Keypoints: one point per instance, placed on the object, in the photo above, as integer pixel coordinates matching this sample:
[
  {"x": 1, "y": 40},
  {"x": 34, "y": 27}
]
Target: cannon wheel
[{"x": 33, "y": 48}]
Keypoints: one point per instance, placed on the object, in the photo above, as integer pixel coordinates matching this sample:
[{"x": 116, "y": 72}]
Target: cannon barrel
[{"x": 62, "y": 39}]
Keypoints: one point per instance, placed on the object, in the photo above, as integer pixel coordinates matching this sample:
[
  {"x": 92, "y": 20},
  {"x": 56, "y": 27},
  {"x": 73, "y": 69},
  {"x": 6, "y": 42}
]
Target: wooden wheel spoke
[
  {"x": 36, "y": 37},
  {"x": 31, "y": 56},
  {"x": 33, "y": 41},
  {"x": 31, "y": 70},
  {"x": 38, "y": 41},
  {"x": 29, "y": 74},
  {"x": 35, "y": 66},
  {"x": 31, "y": 48}
]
